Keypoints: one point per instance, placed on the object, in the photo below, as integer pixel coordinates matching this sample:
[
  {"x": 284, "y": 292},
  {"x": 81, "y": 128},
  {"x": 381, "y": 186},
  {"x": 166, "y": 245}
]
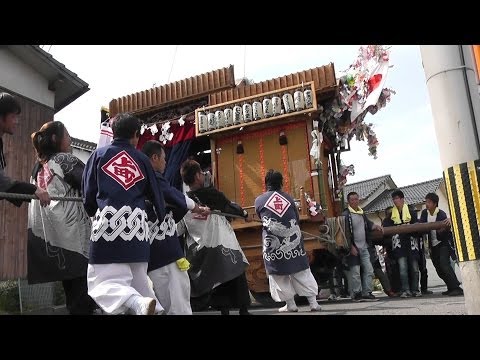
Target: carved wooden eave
[{"x": 186, "y": 90}]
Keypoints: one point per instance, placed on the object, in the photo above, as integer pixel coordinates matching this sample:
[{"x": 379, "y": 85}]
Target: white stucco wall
[
  {"x": 81, "y": 154},
  {"x": 21, "y": 78}
]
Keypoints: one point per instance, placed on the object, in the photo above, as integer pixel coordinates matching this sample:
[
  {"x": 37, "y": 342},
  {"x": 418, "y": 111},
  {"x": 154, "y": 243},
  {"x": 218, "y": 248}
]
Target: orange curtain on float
[{"x": 241, "y": 176}]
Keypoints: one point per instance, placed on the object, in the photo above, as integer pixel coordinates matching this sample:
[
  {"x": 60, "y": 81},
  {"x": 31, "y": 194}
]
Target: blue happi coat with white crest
[
  {"x": 283, "y": 249},
  {"x": 116, "y": 182},
  {"x": 165, "y": 246}
]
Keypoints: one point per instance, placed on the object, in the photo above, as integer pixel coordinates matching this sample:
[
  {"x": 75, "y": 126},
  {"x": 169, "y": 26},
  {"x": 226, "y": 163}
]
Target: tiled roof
[
  {"x": 323, "y": 78},
  {"x": 83, "y": 144},
  {"x": 64, "y": 82},
  {"x": 414, "y": 195},
  {"x": 367, "y": 187}
]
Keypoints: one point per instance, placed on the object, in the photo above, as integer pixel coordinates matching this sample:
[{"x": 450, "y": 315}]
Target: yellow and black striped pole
[
  {"x": 463, "y": 194},
  {"x": 451, "y": 78}
]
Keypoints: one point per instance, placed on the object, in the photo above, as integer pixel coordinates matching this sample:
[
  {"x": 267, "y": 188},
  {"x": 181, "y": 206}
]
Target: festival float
[{"x": 298, "y": 124}]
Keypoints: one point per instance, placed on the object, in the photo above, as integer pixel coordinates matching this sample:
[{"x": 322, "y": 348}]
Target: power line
[
  {"x": 173, "y": 62},
  {"x": 244, "y": 58}
]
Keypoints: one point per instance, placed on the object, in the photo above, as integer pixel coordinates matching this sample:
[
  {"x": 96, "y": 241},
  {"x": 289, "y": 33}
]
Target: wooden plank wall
[
  {"x": 20, "y": 158},
  {"x": 323, "y": 77}
]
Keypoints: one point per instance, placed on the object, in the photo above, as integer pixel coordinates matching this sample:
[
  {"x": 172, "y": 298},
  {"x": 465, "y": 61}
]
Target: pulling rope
[
  {"x": 6, "y": 195},
  {"x": 334, "y": 225},
  {"x": 320, "y": 238}
]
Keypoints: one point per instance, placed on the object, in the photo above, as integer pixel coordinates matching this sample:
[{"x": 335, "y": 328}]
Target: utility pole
[{"x": 452, "y": 86}]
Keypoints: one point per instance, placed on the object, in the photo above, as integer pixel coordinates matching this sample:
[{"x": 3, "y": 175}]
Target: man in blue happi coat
[
  {"x": 117, "y": 181},
  {"x": 284, "y": 255},
  {"x": 168, "y": 266}
]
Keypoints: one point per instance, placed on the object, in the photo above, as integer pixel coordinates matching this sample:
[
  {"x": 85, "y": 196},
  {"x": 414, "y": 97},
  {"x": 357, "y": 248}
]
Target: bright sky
[{"x": 408, "y": 147}]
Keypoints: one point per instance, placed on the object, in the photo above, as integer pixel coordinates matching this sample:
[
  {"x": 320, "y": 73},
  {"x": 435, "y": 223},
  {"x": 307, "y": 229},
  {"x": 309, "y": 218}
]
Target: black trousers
[
  {"x": 76, "y": 297},
  {"x": 393, "y": 274},
  {"x": 441, "y": 261},
  {"x": 382, "y": 277},
  {"x": 232, "y": 294},
  {"x": 422, "y": 267}
]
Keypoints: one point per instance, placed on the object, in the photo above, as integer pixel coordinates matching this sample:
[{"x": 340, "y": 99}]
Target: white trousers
[
  {"x": 110, "y": 285},
  {"x": 172, "y": 288},
  {"x": 284, "y": 287}
]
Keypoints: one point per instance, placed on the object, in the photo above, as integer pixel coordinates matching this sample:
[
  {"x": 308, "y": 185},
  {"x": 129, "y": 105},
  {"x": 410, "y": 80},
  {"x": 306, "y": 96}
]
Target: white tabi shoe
[
  {"x": 288, "y": 309},
  {"x": 144, "y": 306}
]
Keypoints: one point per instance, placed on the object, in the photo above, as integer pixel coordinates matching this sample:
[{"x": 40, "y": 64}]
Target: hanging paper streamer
[
  {"x": 361, "y": 91},
  {"x": 343, "y": 172},
  {"x": 153, "y": 129},
  {"x": 312, "y": 205},
  {"x": 106, "y": 135},
  {"x": 165, "y": 135}
]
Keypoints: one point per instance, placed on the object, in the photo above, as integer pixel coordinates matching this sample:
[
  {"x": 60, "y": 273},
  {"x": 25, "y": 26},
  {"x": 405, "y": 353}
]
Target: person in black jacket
[
  {"x": 9, "y": 112},
  {"x": 405, "y": 247},
  {"x": 440, "y": 242},
  {"x": 218, "y": 263}
]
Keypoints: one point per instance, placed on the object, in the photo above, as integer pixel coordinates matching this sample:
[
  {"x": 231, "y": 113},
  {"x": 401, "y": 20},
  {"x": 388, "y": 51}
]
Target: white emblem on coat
[
  {"x": 396, "y": 242},
  {"x": 123, "y": 169},
  {"x": 413, "y": 243},
  {"x": 277, "y": 204},
  {"x": 281, "y": 241},
  {"x": 160, "y": 231},
  {"x": 110, "y": 224}
]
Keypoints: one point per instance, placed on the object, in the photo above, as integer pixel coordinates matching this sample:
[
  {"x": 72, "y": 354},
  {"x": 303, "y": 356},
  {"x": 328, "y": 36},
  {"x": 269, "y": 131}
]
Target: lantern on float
[
  {"x": 212, "y": 122},
  {"x": 220, "y": 119},
  {"x": 228, "y": 116},
  {"x": 307, "y": 95},
  {"x": 202, "y": 122},
  {"x": 237, "y": 115},
  {"x": 247, "y": 112},
  {"x": 257, "y": 110},
  {"x": 276, "y": 106},
  {"x": 298, "y": 100},
  {"x": 267, "y": 107},
  {"x": 288, "y": 103}
]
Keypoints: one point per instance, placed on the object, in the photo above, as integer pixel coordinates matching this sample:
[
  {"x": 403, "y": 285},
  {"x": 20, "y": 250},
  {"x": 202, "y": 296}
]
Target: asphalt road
[{"x": 435, "y": 304}]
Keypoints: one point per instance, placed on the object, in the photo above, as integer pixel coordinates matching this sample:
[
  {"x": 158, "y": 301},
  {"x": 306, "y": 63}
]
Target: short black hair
[
  {"x": 9, "y": 105},
  {"x": 351, "y": 194},
  {"x": 433, "y": 197},
  {"x": 273, "y": 180},
  {"x": 398, "y": 193},
  {"x": 189, "y": 169},
  {"x": 152, "y": 147},
  {"x": 125, "y": 126}
]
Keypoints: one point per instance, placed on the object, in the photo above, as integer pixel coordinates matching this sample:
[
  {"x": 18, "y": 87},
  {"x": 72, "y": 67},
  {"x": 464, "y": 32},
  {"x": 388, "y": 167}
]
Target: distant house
[
  {"x": 43, "y": 87},
  {"x": 82, "y": 148},
  {"x": 375, "y": 195}
]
